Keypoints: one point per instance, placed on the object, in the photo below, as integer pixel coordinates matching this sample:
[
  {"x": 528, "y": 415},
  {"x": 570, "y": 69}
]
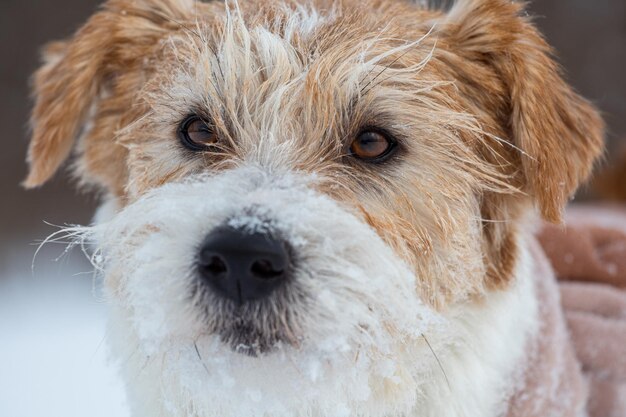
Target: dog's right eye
[
  {"x": 372, "y": 145},
  {"x": 196, "y": 134}
]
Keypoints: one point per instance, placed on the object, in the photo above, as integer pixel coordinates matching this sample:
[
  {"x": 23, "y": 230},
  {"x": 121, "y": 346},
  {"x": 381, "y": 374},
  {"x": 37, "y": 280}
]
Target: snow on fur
[{"x": 366, "y": 344}]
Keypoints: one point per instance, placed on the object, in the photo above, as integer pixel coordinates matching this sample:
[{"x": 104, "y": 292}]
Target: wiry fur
[{"x": 426, "y": 246}]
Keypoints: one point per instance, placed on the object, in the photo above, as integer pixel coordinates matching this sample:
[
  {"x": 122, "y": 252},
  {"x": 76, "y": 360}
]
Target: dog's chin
[
  {"x": 245, "y": 339},
  {"x": 244, "y": 336}
]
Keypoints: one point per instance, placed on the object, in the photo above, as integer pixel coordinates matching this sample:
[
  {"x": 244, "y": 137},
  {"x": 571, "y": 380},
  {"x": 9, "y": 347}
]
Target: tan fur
[
  {"x": 486, "y": 122},
  {"x": 559, "y": 133}
]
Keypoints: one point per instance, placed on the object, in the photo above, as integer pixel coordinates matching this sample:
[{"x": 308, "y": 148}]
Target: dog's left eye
[
  {"x": 373, "y": 146},
  {"x": 196, "y": 134}
]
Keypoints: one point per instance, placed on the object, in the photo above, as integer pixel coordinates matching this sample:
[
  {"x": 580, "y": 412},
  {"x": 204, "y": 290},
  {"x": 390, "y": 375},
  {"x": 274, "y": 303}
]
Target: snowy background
[
  {"x": 53, "y": 359},
  {"x": 52, "y": 356}
]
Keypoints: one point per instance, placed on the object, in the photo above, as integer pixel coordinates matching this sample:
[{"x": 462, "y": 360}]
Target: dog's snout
[{"x": 243, "y": 266}]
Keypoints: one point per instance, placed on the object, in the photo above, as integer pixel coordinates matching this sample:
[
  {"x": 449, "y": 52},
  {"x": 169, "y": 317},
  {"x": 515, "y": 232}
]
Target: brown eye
[
  {"x": 371, "y": 145},
  {"x": 196, "y": 134}
]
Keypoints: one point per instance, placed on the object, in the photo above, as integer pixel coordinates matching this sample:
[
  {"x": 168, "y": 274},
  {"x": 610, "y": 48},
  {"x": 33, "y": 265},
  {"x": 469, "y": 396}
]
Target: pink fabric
[
  {"x": 577, "y": 363},
  {"x": 591, "y": 247},
  {"x": 594, "y": 299},
  {"x": 552, "y": 382}
]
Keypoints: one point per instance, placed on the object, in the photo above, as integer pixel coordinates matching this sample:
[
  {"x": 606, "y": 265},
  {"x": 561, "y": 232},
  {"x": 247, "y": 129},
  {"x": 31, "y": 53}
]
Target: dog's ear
[
  {"x": 559, "y": 135},
  {"x": 74, "y": 74}
]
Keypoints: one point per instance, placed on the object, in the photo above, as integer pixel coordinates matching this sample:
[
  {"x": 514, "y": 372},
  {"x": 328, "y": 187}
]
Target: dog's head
[{"x": 305, "y": 189}]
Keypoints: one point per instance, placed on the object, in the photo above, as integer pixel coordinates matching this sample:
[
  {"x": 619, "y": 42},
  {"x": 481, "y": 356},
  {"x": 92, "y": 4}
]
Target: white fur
[
  {"x": 362, "y": 335},
  {"x": 305, "y": 20}
]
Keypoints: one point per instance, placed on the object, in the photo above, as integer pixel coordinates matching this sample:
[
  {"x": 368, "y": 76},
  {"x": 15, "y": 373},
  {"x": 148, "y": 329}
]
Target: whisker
[
  {"x": 438, "y": 361},
  {"x": 376, "y": 38},
  {"x": 420, "y": 66},
  {"x": 93, "y": 356},
  {"x": 180, "y": 24},
  {"x": 195, "y": 345},
  {"x": 408, "y": 49},
  {"x": 76, "y": 234}
]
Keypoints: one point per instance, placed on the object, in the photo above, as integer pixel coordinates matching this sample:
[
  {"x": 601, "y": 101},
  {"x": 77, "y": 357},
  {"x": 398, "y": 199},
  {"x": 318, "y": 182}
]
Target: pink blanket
[{"x": 577, "y": 365}]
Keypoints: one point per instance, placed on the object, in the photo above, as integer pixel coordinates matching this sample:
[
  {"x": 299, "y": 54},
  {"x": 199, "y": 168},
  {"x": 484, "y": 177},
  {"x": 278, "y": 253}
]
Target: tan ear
[
  {"x": 67, "y": 86},
  {"x": 559, "y": 134}
]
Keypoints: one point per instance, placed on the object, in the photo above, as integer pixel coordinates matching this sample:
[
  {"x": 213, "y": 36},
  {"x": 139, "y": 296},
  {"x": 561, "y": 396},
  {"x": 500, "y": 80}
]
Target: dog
[{"x": 312, "y": 207}]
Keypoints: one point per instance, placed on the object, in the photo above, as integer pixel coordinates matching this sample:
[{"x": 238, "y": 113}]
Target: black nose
[{"x": 243, "y": 266}]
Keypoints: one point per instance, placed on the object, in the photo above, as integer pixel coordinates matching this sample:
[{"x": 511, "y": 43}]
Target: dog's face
[{"x": 307, "y": 191}]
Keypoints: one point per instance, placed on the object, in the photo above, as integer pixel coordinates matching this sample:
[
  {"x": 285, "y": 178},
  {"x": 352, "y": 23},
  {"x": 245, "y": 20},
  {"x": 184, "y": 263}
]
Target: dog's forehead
[{"x": 288, "y": 69}]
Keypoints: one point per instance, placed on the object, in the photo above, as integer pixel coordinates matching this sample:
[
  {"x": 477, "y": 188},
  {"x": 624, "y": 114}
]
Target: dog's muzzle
[
  {"x": 252, "y": 293},
  {"x": 241, "y": 265},
  {"x": 257, "y": 263}
]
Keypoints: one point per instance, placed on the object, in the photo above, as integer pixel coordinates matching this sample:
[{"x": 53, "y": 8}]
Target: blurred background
[{"x": 52, "y": 361}]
